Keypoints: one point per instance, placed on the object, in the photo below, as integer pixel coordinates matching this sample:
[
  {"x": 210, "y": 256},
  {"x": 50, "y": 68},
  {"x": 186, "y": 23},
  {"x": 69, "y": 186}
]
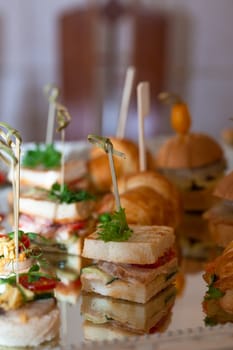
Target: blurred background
[{"x": 85, "y": 47}]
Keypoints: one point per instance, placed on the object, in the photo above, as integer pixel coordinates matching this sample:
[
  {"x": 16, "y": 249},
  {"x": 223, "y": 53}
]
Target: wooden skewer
[
  {"x": 143, "y": 104},
  {"x": 127, "y": 91},
  {"x": 52, "y": 93}
]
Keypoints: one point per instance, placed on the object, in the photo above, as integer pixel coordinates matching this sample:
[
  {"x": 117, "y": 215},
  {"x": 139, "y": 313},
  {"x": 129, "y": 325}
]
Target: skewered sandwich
[
  {"x": 135, "y": 269},
  {"x": 60, "y": 214}
]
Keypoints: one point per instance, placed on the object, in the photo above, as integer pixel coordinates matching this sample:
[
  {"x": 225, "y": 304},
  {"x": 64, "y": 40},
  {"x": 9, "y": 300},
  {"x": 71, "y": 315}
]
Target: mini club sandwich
[
  {"x": 218, "y": 301},
  {"x": 121, "y": 315},
  {"x": 134, "y": 266},
  {"x": 29, "y": 314},
  {"x": 61, "y": 215},
  {"x": 41, "y": 167}
]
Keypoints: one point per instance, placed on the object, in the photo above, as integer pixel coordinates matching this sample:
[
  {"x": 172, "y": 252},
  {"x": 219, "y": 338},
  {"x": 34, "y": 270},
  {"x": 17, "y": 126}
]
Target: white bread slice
[
  {"x": 136, "y": 317},
  {"x": 32, "y": 324},
  {"x": 74, "y": 169},
  {"x": 145, "y": 246},
  {"x": 58, "y": 212},
  {"x": 127, "y": 290}
]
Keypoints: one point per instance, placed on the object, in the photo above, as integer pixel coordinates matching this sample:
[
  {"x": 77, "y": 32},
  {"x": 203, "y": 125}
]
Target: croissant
[
  {"x": 98, "y": 164},
  {"x": 166, "y": 193},
  {"x": 219, "y": 275},
  {"x": 148, "y": 199}
]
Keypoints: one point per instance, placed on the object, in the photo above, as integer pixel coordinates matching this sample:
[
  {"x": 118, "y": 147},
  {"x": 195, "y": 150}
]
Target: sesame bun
[
  {"x": 224, "y": 189},
  {"x": 188, "y": 151}
]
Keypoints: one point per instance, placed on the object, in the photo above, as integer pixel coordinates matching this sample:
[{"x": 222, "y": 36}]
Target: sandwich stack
[
  {"x": 30, "y": 315},
  {"x": 195, "y": 163},
  {"x": 138, "y": 274}
]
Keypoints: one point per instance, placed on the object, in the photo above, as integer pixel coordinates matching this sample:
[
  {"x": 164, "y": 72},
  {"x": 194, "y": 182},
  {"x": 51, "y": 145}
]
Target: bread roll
[
  {"x": 191, "y": 151},
  {"x": 98, "y": 165}
]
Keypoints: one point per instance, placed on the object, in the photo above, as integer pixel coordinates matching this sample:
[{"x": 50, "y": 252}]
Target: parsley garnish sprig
[
  {"x": 34, "y": 274},
  {"x": 213, "y": 292},
  {"x": 115, "y": 228},
  {"x": 45, "y": 156},
  {"x": 64, "y": 195}
]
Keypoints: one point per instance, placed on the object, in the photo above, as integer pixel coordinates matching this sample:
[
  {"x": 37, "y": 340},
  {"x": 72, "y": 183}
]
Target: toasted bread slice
[
  {"x": 145, "y": 246},
  {"x": 52, "y": 210},
  {"x": 74, "y": 169}
]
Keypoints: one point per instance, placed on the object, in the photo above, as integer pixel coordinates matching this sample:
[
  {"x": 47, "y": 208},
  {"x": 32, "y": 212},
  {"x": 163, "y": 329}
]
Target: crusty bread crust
[{"x": 145, "y": 246}]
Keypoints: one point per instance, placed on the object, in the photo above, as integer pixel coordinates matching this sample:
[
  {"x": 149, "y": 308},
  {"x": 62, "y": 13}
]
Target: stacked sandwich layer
[
  {"x": 137, "y": 274},
  {"x": 61, "y": 222}
]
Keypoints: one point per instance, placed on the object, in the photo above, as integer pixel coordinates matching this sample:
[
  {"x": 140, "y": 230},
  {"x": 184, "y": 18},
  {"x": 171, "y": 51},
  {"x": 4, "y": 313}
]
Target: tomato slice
[
  {"x": 2, "y": 178},
  {"x": 72, "y": 285},
  {"x": 167, "y": 256},
  {"x": 78, "y": 225},
  {"x": 24, "y": 242},
  {"x": 43, "y": 284}
]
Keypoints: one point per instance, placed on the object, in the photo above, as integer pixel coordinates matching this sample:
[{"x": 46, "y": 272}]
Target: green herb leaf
[
  {"x": 105, "y": 217},
  {"x": 65, "y": 195},
  {"x": 9, "y": 280},
  {"x": 20, "y": 234},
  {"x": 46, "y": 156},
  {"x": 34, "y": 268},
  {"x": 115, "y": 229},
  {"x": 213, "y": 292},
  {"x": 209, "y": 321}
]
